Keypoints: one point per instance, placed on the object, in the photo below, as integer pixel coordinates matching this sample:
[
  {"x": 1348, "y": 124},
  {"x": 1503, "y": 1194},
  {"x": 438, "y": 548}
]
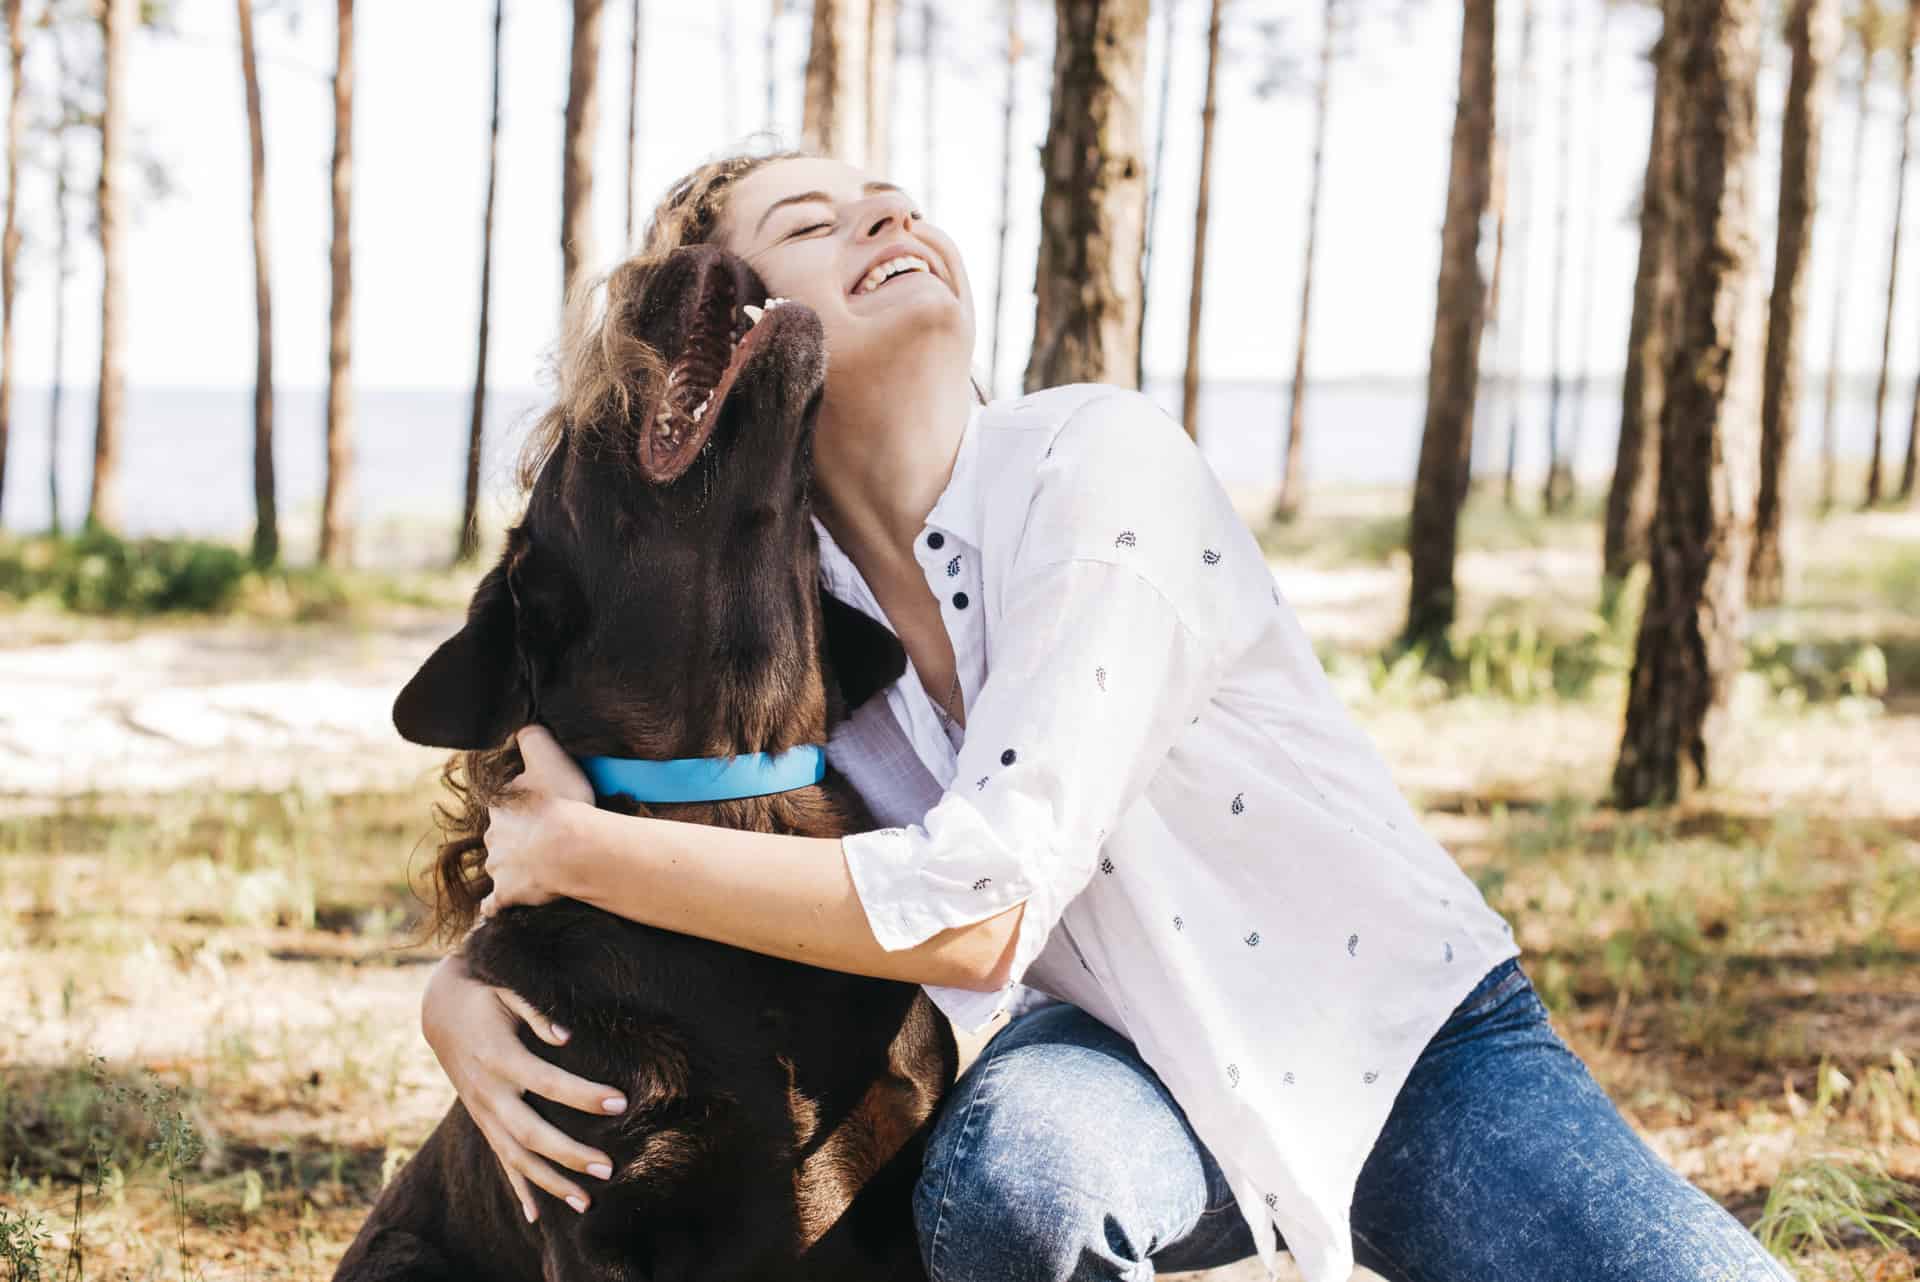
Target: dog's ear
[
  {"x": 862, "y": 654},
  {"x": 471, "y": 692}
]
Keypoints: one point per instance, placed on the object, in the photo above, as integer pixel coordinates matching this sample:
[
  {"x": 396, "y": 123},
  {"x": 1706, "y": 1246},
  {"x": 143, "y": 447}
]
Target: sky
[{"x": 420, "y": 152}]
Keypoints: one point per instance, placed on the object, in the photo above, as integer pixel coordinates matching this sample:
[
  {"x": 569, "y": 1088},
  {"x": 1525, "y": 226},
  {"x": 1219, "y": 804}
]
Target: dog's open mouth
[{"x": 722, "y": 339}]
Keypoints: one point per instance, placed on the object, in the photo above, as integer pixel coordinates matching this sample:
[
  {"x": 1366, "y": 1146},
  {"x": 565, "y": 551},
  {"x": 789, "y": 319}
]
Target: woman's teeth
[{"x": 892, "y": 267}]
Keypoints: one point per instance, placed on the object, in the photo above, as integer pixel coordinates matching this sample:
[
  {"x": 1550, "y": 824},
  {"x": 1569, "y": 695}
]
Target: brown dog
[{"x": 659, "y": 600}]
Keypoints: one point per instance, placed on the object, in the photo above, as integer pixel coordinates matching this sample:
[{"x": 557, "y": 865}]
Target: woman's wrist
[{"x": 578, "y": 856}]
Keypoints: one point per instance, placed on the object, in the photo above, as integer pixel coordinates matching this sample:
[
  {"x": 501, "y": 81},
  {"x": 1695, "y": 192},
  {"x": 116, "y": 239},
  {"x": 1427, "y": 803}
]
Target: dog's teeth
[{"x": 754, "y": 313}]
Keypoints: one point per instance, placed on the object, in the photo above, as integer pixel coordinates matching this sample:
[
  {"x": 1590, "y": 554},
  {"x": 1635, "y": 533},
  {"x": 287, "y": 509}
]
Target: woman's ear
[
  {"x": 471, "y": 693},
  {"x": 862, "y": 655}
]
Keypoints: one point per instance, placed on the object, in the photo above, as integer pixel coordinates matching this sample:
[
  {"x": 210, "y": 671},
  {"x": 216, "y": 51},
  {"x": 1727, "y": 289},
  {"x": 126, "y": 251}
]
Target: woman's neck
[{"x": 882, "y": 455}]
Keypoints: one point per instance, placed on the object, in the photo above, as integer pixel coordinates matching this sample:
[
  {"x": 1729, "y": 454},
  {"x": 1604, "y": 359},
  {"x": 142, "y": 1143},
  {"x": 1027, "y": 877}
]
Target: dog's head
[{"x": 660, "y": 598}]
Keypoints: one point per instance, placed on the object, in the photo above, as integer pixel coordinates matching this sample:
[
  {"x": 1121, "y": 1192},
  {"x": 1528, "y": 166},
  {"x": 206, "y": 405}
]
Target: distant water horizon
[{"x": 187, "y": 452}]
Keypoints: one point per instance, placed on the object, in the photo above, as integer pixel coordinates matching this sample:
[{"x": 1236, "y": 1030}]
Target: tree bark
[
  {"x": 1087, "y": 273},
  {"x": 1190, "y": 398},
  {"x": 266, "y": 520},
  {"x": 1558, "y": 491},
  {"x": 118, "y": 18},
  {"x": 883, "y": 21},
  {"x": 636, "y": 24},
  {"x": 1689, "y": 647},
  {"x": 1446, "y": 442},
  {"x": 1153, "y": 184},
  {"x": 469, "y": 542},
  {"x": 1636, "y": 467},
  {"x": 1293, "y": 480},
  {"x": 1863, "y": 113},
  {"x": 1813, "y": 33},
  {"x": 1907, "y": 43},
  {"x": 337, "y": 503},
  {"x": 1006, "y": 187},
  {"x": 834, "y": 117},
  {"x": 10, "y": 234},
  {"x": 1520, "y": 157},
  {"x": 577, "y": 252}
]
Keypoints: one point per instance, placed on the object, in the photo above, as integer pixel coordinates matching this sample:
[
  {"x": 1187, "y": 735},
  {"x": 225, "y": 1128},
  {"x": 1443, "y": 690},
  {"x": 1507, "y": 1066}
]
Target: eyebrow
[{"x": 820, "y": 196}]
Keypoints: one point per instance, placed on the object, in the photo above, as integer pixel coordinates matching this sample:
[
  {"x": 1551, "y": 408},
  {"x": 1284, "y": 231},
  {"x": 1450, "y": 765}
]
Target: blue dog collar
[{"x": 751, "y": 774}]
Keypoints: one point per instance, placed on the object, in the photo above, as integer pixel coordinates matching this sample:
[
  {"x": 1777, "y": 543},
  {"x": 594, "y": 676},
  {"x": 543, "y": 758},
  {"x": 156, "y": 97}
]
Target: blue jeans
[{"x": 1059, "y": 1156}]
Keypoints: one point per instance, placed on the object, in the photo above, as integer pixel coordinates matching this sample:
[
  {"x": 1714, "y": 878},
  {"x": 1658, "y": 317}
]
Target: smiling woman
[{"x": 1113, "y": 772}]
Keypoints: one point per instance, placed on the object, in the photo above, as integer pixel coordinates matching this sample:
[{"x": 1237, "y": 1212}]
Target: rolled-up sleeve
[{"x": 1103, "y": 653}]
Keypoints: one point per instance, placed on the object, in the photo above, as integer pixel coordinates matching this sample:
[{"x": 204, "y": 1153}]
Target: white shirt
[{"x": 1215, "y": 860}]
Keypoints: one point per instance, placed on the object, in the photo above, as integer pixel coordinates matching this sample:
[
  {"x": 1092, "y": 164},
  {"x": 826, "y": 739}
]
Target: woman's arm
[{"x": 790, "y": 897}]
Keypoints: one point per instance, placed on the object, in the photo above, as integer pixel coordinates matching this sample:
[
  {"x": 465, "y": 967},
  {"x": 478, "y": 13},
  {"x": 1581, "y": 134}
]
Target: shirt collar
[{"x": 956, "y": 513}]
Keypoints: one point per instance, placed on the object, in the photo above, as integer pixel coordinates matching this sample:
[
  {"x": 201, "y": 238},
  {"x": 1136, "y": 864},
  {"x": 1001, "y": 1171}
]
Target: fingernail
[
  {"x": 614, "y": 1104},
  {"x": 527, "y": 1210},
  {"x": 578, "y": 1204},
  {"x": 600, "y": 1170},
  {"x": 560, "y": 1032}
]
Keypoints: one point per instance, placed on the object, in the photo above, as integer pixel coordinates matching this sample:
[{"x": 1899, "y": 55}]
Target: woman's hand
[
  {"x": 472, "y": 1028},
  {"x": 527, "y": 834}
]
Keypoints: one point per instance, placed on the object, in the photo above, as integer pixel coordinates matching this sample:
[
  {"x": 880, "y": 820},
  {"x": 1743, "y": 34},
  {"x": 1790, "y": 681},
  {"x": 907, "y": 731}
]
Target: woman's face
[{"x": 816, "y": 230}]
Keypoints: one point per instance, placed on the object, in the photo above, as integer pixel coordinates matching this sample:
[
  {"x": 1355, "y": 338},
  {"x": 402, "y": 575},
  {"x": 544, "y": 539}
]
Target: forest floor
[{"x": 207, "y": 829}]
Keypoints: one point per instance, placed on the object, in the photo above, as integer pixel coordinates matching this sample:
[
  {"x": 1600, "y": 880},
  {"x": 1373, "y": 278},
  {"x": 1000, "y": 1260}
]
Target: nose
[{"x": 888, "y": 208}]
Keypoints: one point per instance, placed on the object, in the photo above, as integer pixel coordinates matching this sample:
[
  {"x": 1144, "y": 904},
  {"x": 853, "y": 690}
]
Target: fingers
[
  {"x": 521, "y": 1192},
  {"x": 543, "y": 1028},
  {"x": 548, "y": 768},
  {"x": 541, "y": 1139}
]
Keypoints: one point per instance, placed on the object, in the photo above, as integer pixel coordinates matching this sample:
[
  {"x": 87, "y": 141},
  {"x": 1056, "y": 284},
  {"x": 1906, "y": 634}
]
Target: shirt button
[
  {"x": 959, "y": 600},
  {"x": 936, "y": 539}
]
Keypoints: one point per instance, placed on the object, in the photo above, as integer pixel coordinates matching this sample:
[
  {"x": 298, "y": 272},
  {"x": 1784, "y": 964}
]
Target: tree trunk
[
  {"x": 336, "y": 507},
  {"x": 1087, "y": 272},
  {"x": 1558, "y": 491},
  {"x": 1492, "y": 336},
  {"x": 1153, "y": 184},
  {"x": 636, "y": 24},
  {"x": 1863, "y": 113},
  {"x": 1583, "y": 374},
  {"x": 62, "y": 270},
  {"x": 929, "y": 27},
  {"x": 266, "y": 520},
  {"x": 1908, "y": 39},
  {"x": 1446, "y": 441},
  {"x": 883, "y": 22},
  {"x": 118, "y": 18},
  {"x": 1006, "y": 187},
  {"x": 1813, "y": 32},
  {"x": 1520, "y": 158},
  {"x": 10, "y": 235},
  {"x": 469, "y": 543},
  {"x": 577, "y": 252},
  {"x": 1689, "y": 646},
  {"x": 1190, "y": 399},
  {"x": 834, "y": 117},
  {"x": 1636, "y": 467},
  {"x": 1293, "y": 481}
]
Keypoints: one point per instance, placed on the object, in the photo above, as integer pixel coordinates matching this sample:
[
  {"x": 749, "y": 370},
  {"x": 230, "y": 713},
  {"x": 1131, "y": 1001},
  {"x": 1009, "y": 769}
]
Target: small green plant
[{"x": 22, "y": 1235}]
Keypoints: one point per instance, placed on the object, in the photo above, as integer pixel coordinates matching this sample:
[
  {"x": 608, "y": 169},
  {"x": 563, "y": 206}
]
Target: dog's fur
[{"x": 660, "y": 600}]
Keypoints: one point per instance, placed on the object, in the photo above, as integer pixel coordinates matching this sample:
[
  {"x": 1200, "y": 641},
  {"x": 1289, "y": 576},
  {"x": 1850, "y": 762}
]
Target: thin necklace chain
[{"x": 945, "y": 707}]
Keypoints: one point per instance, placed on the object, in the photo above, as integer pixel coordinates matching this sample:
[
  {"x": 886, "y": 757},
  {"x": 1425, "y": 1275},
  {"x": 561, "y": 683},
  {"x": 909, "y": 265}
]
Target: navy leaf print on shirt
[
  {"x": 983, "y": 883},
  {"x": 953, "y": 567},
  {"x": 1125, "y": 540},
  {"x": 1239, "y": 802},
  {"x": 1287, "y": 1077},
  {"x": 1178, "y": 924},
  {"x": 980, "y": 783},
  {"x": 1273, "y": 1202},
  {"x": 1210, "y": 557},
  {"x": 1106, "y": 864},
  {"x": 1370, "y": 1077},
  {"x": 1233, "y": 1074},
  {"x": 1353, "y": 945},
  {"x": 1100, "y": 678},
  {"x": 1253, "y": 939},
  {"x": 1449, "y": 952}
]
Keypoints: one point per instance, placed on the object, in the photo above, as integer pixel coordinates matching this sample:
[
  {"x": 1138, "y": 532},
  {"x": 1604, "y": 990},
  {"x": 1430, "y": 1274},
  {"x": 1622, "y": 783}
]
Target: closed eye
[{"x": 801, "y": 231}]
